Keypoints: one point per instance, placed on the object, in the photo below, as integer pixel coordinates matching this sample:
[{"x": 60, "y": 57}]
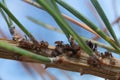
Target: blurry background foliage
[{"x": 24, "y": 12}]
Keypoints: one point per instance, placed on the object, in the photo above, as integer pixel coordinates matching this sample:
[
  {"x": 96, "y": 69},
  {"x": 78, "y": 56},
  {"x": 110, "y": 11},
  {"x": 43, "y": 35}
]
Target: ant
[{"x": 91, "y": 45}]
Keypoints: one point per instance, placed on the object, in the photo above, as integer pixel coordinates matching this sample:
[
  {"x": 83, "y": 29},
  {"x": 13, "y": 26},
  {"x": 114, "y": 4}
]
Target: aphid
[
  {"x": 39, "y": 46},
  {"x": 44, "y": 44},
  {"x": 102, "y": 55},
  {"x": 25, "y": 44},
  {"x": 73, "y": 48},
  {"x": 12, "y": 30},
  {"x": 106, "y": 55},
  {"x": 78, "y": 54},
  {"x": 71, "y": 51},
  {"x": 67, "y": 47},
  {"x": 58, "y": 49},
  {"x": 59, "y": 43},
  {"x": 54, "y": 54},
  {"x": 68, "y": 50},
  {"x": 94, "y": 61},
  {"x": 72, "y": 43},
  {"x": 15, "y": 35}
]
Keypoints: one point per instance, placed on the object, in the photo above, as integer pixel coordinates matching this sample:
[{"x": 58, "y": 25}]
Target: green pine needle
[
  {"x": 105, "y": 20},
  {"x": 23, "y": 52},
  {"x": 63, "y": 24},
  {"x": 16, "y": 21},
  {"x": 88, "y": 22},
  {"x": 47, "y": 26}
]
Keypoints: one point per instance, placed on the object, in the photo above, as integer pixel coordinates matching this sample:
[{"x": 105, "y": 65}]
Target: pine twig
[{"x": 107, "y": 70}]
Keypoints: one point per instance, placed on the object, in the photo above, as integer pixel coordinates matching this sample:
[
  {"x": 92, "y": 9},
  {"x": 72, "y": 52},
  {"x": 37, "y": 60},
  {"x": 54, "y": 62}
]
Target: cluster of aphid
[
  {"x": 71, "y": 49},
  {"x": 95, "y": 60},
  {"x": 74, "y": 50},
  {"x": 33, "y": 46}
]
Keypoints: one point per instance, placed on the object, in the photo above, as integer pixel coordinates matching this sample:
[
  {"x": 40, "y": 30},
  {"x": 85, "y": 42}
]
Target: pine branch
[{"x": 106, "y": 69}]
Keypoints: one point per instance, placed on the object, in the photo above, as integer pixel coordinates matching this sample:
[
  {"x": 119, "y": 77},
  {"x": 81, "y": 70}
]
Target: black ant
[{"x": 91, "y": 45}]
